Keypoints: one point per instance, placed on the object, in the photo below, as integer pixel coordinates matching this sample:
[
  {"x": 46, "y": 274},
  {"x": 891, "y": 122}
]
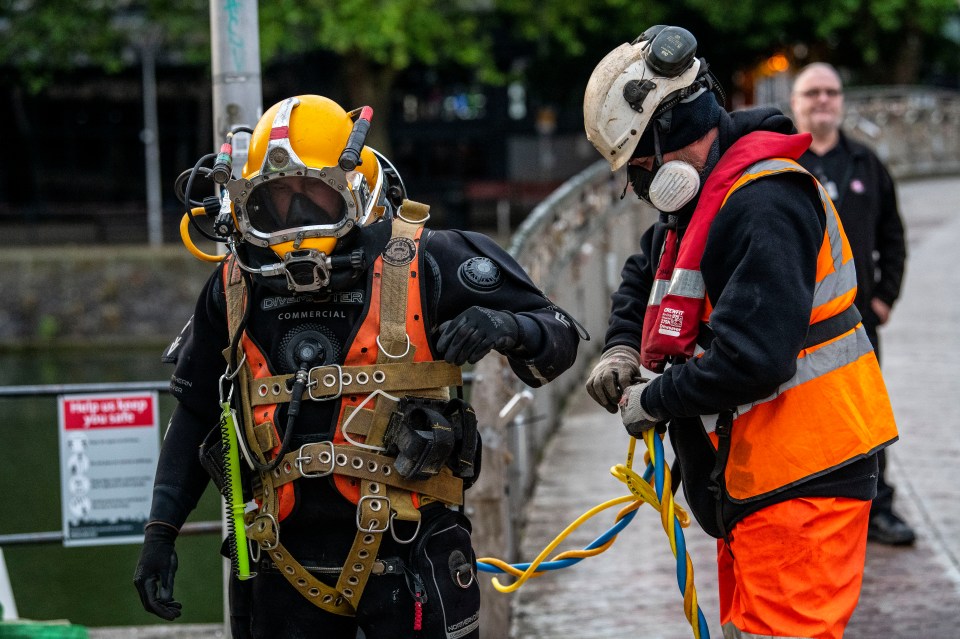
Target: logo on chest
[{"x": 399, "y": 251}]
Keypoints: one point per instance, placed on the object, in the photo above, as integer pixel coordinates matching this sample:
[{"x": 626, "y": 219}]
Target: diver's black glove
[
  {"x": 475, "y": 332},
  {"x": 155, "y": 571}
]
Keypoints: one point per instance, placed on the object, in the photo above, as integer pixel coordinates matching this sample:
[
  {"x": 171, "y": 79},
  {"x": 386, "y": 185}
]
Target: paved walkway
[{"x": 908, "y": 593}]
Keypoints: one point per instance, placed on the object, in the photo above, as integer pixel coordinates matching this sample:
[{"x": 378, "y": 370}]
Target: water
[{"x": 90, "y": 586}]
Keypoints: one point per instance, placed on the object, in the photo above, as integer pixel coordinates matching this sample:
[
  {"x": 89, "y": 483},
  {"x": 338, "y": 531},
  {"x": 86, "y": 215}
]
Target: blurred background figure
[{"x": 864, "y": 194}]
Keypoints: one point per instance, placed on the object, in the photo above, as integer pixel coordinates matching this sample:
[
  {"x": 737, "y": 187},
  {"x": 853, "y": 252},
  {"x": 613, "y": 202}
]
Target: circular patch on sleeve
[
  {"x": 481, "y": 274},
  {"x": 399, "y": 251}
]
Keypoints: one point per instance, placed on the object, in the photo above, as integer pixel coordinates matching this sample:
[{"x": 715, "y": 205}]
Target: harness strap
[
  {"x": 717, "y": 484},
  {"x": 324, "y": 458},
  {"x": 329, "y": 382},
  {"x": 394, "y": 341},
  {"x": 312, "y": 589},
  {"x": 235, "y": 291},
  {"x": 373, "y": 519},
  {"x": 826, "y": 330}
]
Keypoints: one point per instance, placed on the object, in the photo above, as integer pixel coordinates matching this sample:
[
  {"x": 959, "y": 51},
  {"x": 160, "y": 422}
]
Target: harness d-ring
[
  {"x": 393, "y": 515},
  {"x": 237, "y": 371},
  {"x": 469, "y": 581},
  {"x": 403, "y": 354}
]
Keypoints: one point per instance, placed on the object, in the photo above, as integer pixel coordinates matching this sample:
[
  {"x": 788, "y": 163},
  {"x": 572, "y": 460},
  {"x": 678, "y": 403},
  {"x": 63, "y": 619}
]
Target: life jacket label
[{"x": 671, "y": 321}]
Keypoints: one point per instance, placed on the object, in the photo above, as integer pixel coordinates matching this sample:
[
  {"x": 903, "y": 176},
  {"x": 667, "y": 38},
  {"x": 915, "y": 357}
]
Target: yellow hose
[{"x": 188, "y": 241}]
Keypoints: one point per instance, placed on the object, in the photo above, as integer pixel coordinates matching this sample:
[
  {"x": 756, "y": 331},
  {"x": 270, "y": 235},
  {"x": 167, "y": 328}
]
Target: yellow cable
[
  {"x": 526, "y": 574},
  {"x": 641, "y": 491}
]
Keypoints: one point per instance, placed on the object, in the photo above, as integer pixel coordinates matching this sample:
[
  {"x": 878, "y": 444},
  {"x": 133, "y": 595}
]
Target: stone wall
[
  {"x": 914, "y": 130},
  {"x": 89, "y": 295}
]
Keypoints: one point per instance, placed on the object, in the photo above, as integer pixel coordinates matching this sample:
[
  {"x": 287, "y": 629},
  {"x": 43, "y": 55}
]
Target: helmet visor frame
[{"x": 247, "y": 195}]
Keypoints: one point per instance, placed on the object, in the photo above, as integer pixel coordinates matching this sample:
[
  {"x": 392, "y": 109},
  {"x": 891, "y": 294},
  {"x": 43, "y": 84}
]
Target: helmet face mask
[
  {"x": 294, "y": 198},
  {"x": 313, "y": 170},
  {"x": 626, "y": 91},
  {"x": 294, "y": 202}
]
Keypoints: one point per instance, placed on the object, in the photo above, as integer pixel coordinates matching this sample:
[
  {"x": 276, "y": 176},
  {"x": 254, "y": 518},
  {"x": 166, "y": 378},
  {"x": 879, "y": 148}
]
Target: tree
[
  {"x": 40, "y": 38},
  {"x": 882, "y": 40},
  {"x": 561, "y": 40}
]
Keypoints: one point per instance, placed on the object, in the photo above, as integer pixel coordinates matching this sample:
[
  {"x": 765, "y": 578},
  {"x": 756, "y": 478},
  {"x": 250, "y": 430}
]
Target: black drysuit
[{"x": 458, "y": 270}]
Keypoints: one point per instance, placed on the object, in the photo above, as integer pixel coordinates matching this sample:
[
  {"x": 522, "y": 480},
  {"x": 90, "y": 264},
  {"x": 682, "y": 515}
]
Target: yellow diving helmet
[{"x": 308, "y": 181}]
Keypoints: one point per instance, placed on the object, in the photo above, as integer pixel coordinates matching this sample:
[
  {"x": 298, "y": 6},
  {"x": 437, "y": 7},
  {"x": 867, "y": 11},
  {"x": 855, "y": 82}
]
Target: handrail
[
  {"x": 56, "y": 536},
  {"x": 34, "y": 390}
]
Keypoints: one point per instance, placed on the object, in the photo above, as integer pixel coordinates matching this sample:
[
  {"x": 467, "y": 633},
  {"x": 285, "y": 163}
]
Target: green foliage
[
  {"x": 388, "y": 33},
  {"x": 41, "y": 36}
]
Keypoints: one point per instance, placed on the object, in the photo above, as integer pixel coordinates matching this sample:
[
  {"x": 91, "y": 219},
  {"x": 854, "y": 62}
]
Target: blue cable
[{"x": 596, "y": 543}]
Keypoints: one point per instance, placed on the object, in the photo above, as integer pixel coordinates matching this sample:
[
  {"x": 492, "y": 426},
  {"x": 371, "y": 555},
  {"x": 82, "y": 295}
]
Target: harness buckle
[
  {"x": 323, "y": 457},
  {"x": 328, "y": 381},
  {"x": 377, "y": 502},
  {"x": 260, "y": 526}
]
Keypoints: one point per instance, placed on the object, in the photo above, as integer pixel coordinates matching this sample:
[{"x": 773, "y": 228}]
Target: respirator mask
[{"x": 668, "y": 186}]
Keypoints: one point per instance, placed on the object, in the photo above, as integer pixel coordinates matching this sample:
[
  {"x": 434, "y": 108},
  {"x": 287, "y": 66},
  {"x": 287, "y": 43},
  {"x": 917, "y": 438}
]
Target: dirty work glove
[
  {"x": 617, "y": 369},
  {"x": 635, "y": 418},
  {"x": 155, "y": 570},
  {"x": 475, "y": 332}
]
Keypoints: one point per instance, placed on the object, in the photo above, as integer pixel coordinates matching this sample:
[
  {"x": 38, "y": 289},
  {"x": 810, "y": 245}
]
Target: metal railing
[{"x": 45, "y": 390}]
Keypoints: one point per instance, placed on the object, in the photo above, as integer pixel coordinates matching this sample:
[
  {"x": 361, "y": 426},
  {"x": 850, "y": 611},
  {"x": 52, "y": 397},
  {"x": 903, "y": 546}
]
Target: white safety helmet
[{"x": 637, "y": 81}]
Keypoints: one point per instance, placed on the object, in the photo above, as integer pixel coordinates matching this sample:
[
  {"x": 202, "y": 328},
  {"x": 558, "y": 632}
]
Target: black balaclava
[{"x": 673, "y": 129}]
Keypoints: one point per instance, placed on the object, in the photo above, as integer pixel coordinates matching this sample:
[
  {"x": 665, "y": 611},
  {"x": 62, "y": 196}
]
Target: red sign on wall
[{"x": 127, "y": 410}]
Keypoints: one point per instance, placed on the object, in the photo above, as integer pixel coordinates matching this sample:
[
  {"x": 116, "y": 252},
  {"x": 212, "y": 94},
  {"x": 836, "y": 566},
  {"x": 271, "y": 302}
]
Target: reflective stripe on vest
[{"x": 834, "y": 409}]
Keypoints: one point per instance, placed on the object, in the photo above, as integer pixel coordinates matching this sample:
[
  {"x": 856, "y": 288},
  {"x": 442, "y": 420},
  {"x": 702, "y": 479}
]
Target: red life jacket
[{"x": 677, "y": 303}]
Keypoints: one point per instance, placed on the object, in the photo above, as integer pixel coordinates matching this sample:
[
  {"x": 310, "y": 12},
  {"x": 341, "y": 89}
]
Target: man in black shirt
[{"x": 863, "y": 192}]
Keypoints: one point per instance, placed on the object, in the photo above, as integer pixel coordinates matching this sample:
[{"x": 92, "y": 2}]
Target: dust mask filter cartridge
[{"x": 674, "y": 184}]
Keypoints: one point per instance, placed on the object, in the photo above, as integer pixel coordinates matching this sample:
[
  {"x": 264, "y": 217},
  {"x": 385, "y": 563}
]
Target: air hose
[
  {"x": 233, "y": 494},
  {"x": 654, "y": 488}
]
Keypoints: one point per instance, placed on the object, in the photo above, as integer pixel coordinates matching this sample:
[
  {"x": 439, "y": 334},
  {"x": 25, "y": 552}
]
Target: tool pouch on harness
[
  {"x": 441, "y": 575},
  {"x": 211, "y": 459},
  {"x": 424, "y": 434},
  {"x": 697, "y": 458}
]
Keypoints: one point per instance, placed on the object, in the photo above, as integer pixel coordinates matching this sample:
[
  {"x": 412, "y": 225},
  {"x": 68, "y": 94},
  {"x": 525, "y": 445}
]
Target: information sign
[{"x": 109, "y": 445}]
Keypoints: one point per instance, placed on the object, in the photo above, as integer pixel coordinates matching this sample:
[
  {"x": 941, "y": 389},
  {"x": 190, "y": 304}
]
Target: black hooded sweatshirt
[{"x": 759, "y": 268}]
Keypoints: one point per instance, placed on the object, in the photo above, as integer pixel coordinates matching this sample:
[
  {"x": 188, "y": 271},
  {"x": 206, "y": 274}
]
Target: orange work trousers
[{"x": 796, "y": 569}]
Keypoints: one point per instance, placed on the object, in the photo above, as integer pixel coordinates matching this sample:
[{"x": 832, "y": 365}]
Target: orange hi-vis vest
[
  {"x": 835, "y": 409},
  {"x": 388, "y": 358}
]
